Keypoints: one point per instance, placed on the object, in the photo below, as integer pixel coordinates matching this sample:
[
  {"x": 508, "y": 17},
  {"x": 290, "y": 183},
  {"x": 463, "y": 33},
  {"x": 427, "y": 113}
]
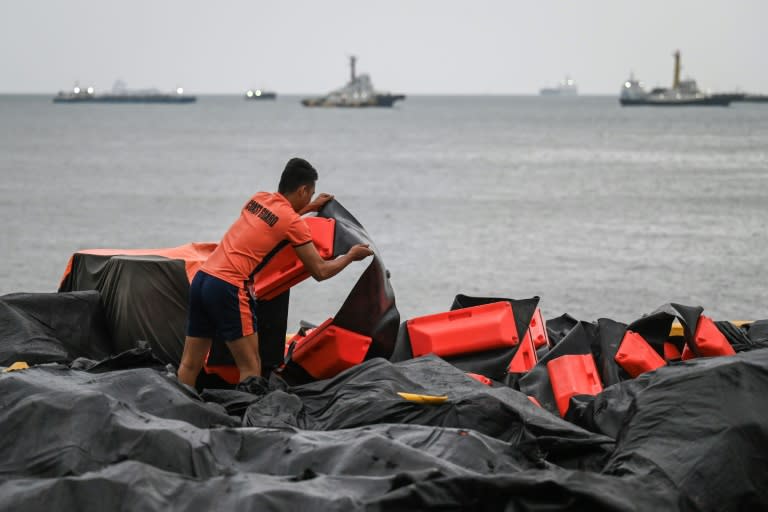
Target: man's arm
[
  {"x": 318, "y": 203},
  {"x": 322, "y": 269}
]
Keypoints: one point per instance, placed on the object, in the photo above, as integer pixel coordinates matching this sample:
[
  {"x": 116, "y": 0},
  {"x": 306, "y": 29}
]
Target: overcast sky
[{"x": 408, "y": 46}]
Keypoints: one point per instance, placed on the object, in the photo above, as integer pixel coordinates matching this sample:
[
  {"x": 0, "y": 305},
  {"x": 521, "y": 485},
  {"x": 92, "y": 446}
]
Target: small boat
[
  {"x": 566, "y": 87},
  {"x": 682, "y": 93},
  {"x": 260, "y": 94},
  {"x": 358, "y": 93},
  {"x": 120, "y": 94}
]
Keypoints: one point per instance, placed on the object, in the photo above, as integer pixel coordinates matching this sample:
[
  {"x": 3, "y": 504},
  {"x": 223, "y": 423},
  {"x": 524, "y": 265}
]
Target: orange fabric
[
  {"x": 193, "y": 254},
  {"x": 246, "y": 315},
  {"x": 266, "y": 220}
]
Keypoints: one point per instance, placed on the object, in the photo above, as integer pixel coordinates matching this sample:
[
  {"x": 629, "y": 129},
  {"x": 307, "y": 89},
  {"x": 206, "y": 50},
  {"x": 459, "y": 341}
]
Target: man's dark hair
[{"x": 297, "y": 172}]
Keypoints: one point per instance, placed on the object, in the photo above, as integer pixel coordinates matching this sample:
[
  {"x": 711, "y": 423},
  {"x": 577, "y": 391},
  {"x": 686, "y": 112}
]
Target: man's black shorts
[{"x": 219, "y": 310}]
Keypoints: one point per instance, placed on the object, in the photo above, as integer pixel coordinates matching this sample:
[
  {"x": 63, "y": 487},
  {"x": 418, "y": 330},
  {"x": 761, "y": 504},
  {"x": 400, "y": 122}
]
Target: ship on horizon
[
  {"x": 566, "y": 87},
  {"x": 260, "y": 94},
  {"x": 357, "y": 93},
  {"x": 121, "y": 94},
  {"x": 682, "y": 93}
]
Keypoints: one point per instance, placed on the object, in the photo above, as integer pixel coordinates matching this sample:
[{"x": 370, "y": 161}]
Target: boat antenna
[
  {"x": 352, "y": 60},
  {"x": 676, "y": 79}
]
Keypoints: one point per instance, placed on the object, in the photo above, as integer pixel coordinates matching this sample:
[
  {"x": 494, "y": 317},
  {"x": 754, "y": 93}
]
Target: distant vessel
[
  {"x": 358, "y": 92},
  {"x": 260, "y": 94},
  {"x": 754, "y": 98},
  {"x": 682, "y": 93},
  {"x": 566, "y": 87},
  {"x": 120, "y": 94}
]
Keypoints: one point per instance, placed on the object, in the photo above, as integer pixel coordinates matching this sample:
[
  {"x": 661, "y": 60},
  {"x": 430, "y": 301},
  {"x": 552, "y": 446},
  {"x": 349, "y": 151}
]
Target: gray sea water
[{"x": 602, "y": 211}]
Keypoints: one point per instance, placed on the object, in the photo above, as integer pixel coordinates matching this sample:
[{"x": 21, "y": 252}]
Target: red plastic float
[
  {"x": 671, "y": 352},
  {"x": 636, "y": 356},
  {"x": 285, "y": 269},
  {"x": 537, "y": 329},
  {"x": 573, "y": 375},
  {"x": 464, "y": 331},
  {"x": 480, "y": 378},
  {"x": 525, "y": 358},
  {"x": 709, "y": 341},
  {"x": 329, "y": 350}
]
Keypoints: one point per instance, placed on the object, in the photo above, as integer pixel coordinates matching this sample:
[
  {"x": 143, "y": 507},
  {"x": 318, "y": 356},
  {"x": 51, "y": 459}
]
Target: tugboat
[
  {"x": 260, "y": 94},
  {"x": 682, "y": 93},
  {"x": 120, "y": 94},
  {"x": 566, "y": 87},
  {"x": 358, "y": 93}
]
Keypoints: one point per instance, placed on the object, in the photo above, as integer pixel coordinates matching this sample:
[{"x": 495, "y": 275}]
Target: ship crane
[{"x": 352, "y": 61}]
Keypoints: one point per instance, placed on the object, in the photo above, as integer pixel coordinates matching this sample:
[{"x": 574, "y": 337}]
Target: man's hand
[
  {"x": 317, "y": 203},
  {"x": 322, "y": 269},
  {"x": 359, "y": 252}
]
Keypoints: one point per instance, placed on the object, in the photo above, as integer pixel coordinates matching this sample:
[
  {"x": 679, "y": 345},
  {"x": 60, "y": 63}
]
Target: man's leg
[
  {"x": 245, "y": 352},
  {"x": 192, "y": 359}
]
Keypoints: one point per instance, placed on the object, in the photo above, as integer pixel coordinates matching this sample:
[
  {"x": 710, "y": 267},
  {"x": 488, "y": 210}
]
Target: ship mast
[
  {"x": 352, "y": 60},
  {"x": 676, "y": 79}
]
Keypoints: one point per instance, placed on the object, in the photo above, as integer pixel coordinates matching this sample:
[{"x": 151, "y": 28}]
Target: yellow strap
[
  {"x": 677, "y": 328},
  {"x": 18, "y": 365},
  {"x": 423, "y": 399}
]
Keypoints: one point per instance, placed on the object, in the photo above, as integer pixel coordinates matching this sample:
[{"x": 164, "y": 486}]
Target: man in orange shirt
[{"x": 220, "y": 306}]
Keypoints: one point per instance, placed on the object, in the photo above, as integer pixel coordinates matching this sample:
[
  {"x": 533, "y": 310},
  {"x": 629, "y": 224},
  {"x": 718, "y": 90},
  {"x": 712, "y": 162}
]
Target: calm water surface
[{"x": 602, "y": 211}]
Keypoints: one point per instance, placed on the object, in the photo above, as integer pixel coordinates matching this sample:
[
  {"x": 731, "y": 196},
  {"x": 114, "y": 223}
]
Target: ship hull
[
  {"x": 127, "y": 99},
  {"x": 262, "y": 96},
  {"x": 709, "y": 101},
  {"x": 755, "y": 98},
  {"x": 380, "y": 100}
]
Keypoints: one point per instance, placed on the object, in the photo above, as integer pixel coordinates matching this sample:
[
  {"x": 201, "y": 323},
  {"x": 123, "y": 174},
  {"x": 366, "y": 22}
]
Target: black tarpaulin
[
  {"x": 144, "y": 297},
  {"x": 702, "y": 425},
  {"x": 122, "y": 433},
  {"x": 135, "y": 486},
  {"x": 52, "y": 327},
  {"x": 350, "y": 400},
  {"x": 370, "y": 308}
]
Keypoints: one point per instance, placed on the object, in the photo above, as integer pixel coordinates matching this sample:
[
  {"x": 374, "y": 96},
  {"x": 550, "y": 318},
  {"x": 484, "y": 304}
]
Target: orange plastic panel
[
  {"x": 285, "y": 269},
  {"x": 480, "y": 378},
  {"x": 464, "y": 331},
  {"x": 671, "y": 353},
  {"x": 525, "y": 358},
  {"x": 710, "y": 342},
  {"x": 573, "y": 375},
  {"x": 538, "y": 330},
  {"x": 298, "y": 339},
  {"x": 329, "y": 350},
  {"x": 636, "y": 356}
]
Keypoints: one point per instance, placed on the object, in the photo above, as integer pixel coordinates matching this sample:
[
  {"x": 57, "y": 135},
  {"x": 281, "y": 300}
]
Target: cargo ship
[
  {"x": 566, "y": 87},
  {"x": 682, "y": 93},
  {"x": 358, "y": 93},
  {"x": 120, "y": 94}
]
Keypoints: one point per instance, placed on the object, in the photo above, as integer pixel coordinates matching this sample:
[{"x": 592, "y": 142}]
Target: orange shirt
[{"x": 265, "y": 224}]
